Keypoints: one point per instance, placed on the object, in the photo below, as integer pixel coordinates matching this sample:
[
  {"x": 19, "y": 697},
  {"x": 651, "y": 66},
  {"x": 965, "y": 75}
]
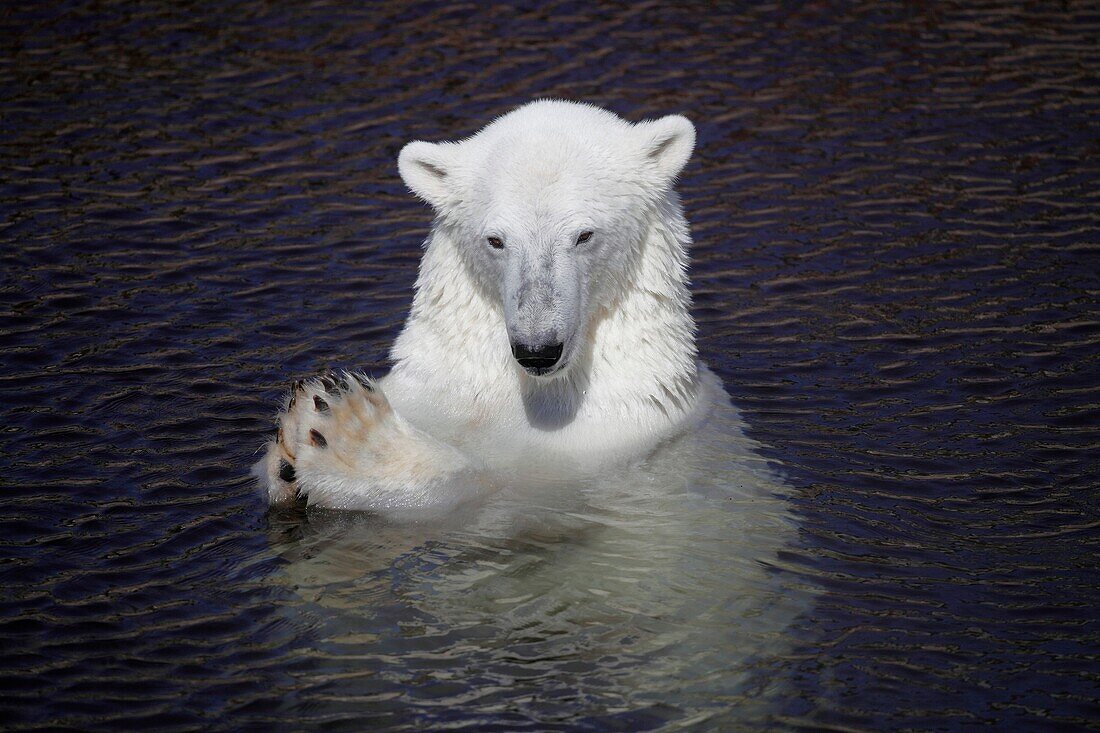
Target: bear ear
[
  {"x": 667, "y": 143},
  {"x": 428, "y": 169}
]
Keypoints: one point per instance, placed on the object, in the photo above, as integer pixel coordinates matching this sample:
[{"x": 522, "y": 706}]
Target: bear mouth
[{"x": 536, "y": 371}]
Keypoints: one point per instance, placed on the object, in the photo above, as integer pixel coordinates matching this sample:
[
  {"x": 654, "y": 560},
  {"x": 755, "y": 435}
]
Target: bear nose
[{"x": 537, "y": 358}]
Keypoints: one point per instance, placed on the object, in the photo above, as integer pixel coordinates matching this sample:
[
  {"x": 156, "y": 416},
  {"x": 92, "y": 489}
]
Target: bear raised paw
[
  {"x": 550, "y": 338},
  {"x": 340, "y": 444}
]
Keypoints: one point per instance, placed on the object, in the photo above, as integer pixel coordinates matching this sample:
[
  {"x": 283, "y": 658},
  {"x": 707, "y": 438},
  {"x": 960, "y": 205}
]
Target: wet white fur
[{"x": 535, "y": 178}]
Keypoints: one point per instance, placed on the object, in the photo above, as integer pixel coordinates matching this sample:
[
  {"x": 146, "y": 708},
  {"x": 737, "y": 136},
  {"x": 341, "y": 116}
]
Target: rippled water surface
[{"x": 897, "y": 227}]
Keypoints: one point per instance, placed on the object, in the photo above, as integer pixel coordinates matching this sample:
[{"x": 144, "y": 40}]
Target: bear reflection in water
[{"x": 657, "y": 585}]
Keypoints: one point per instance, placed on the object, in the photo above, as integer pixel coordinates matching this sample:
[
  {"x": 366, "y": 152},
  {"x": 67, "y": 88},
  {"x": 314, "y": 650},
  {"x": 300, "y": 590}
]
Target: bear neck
[{"x": 638, "y": 357}]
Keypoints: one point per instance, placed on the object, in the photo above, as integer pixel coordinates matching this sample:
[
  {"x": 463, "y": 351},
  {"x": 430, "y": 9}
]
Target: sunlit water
[{"x": 895, "y": 216}]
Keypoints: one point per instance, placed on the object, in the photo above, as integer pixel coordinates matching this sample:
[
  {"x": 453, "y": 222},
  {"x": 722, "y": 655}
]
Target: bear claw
[
  {"x": 320, "y": 404},
  {"x": 317, "y": 439},
  {"x": 335, "y": 383},
  {"x": 286, "y": 472}
]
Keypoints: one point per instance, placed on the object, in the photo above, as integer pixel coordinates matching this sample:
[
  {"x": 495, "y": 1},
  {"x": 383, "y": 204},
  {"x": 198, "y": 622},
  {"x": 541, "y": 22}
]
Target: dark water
[{"x": 897, "y": 227}]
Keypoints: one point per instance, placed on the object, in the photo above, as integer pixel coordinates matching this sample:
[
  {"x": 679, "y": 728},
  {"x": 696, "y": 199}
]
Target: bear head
[{"x": 549, "y": 206}]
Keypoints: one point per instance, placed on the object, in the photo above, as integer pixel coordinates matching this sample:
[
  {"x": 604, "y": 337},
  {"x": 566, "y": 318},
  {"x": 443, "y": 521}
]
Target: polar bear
[{"x": 550, "y": 337}]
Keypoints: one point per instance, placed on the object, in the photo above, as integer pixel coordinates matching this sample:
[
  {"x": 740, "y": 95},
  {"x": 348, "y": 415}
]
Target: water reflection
[{"x": 650, "y": 593}]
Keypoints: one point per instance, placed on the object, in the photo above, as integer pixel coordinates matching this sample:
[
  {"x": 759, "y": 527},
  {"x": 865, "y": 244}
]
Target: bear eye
[
  {"x": 584, "y": 237},
  {"x": 495, "y": 243}
]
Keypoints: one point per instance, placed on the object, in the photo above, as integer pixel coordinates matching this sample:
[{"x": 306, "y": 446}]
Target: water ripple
[{"x": 895, "y": 215}]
